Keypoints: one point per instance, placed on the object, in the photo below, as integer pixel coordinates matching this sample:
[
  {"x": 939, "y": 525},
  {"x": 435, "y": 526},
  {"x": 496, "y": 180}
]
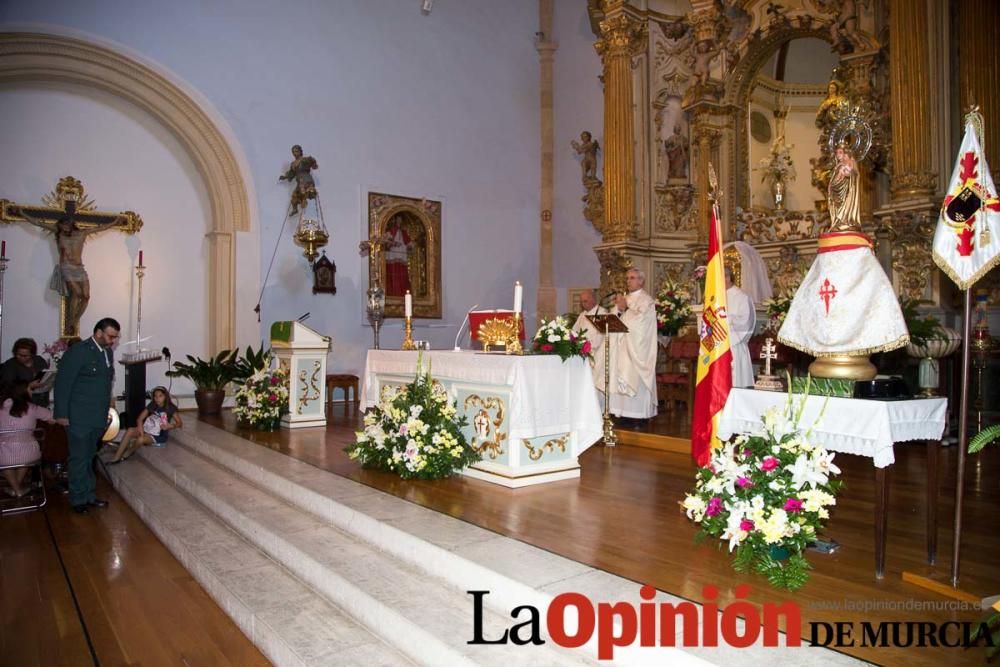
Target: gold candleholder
[
  {"x": 514, "y": 344},
  {"x": 408, "y": 343}
]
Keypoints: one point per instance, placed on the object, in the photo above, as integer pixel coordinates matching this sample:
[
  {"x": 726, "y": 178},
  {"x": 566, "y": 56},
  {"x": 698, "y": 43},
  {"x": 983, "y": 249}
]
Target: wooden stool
[{"x": 344, "y": 381}]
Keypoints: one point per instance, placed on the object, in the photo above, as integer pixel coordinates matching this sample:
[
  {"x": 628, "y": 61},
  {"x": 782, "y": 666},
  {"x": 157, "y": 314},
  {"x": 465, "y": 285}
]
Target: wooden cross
[
  {"x": 767, "y": 353},
  {"x": 71, "y": 218}
]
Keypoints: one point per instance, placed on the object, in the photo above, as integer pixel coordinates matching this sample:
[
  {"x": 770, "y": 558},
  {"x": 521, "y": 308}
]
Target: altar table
[
  {"x": 529, "y": 416},
  {"x": 855, "y": 426}
]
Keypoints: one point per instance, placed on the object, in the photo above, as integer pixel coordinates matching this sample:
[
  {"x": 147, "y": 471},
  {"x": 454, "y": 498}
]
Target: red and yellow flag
[{"x": 715, "y": 359}]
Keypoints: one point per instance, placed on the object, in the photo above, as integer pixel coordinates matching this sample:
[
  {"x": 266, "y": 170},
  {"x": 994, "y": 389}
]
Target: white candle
[
  {"x": 408, "y": 304},
  {"x": 517, "y": 296}
]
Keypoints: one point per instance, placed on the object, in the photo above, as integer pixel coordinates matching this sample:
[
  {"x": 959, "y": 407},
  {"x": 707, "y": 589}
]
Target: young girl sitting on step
[{"x": 152, "y": 427}]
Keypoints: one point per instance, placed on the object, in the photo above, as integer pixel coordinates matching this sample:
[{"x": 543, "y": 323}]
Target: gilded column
[
  {"x": 622, "y": 37},
  {"x": 706, "y": 139},
  {"x": 546, "y": 297},
  {"x": 978, "y": 65},
  {"x": 909, "y": 70}
]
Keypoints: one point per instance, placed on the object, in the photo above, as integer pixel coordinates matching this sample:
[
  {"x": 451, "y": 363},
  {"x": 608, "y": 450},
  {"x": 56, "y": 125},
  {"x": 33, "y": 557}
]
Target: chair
[
  {"x": 344, "y": 382},
  {"x": 677, "y": 381},
  {"x": 36, "y": 498}
]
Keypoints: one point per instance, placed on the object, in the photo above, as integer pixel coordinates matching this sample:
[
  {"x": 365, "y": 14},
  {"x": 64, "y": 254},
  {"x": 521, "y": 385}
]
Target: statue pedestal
[
  {"x": 301, "y": 352},
  {"x": 843, "y": 367}
]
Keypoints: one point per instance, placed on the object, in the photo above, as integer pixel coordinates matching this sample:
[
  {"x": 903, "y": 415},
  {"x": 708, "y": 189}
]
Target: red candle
[
  {"x": 3, "y": 248},
  {"x": 140, "y": 258}
]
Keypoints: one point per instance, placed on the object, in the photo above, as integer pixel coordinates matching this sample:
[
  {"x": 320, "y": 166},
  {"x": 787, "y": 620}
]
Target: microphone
[
  {"x": 462, "y": 327},
  {"x": 304, "y": 317},
  {"x": 166, "y": 353}
]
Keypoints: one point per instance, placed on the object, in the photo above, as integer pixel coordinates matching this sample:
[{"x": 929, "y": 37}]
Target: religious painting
[{"x": 405, "y": 236}]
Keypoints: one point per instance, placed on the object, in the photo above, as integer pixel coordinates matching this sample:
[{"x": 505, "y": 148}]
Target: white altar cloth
[
  {"x": 849, "y": 425},
  {"x": 548, "y": 405}
]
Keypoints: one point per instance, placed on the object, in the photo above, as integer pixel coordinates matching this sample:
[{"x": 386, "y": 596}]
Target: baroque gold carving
[
  {"x": 756, "y": 226},
  {"x": 787, "y": 270},
  {"x": 488, "y": 437},
  {"x": 593, "y": 200},
  {"x": 309, "y": 390},
  {"x": 614, "y": 265},
  {"x": 536, "y": 453},
  {"x": 675, "y": 210},
  {"x": 911, "y": 235}
]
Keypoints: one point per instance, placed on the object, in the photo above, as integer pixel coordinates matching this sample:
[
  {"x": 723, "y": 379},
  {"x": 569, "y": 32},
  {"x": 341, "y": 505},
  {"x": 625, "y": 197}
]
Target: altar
[{"x": 529, "y": 416}]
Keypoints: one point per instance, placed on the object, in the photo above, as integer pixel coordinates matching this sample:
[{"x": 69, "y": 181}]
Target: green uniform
[{"x": 83, "y": 395}]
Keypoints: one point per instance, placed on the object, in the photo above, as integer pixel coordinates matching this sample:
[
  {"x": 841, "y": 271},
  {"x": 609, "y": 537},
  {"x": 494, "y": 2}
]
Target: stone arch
[{"x": 54, "y": 58}]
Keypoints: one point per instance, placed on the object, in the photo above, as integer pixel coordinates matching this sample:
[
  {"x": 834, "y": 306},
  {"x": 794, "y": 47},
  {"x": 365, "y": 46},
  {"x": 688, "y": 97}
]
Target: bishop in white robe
[
  {"x": 632, "y": 386},
  {"x": 742, "y": 320}
]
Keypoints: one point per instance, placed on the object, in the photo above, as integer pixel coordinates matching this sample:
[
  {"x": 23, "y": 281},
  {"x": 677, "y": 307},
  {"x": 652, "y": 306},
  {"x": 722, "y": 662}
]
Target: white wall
[
  {"x": 126, "y": 162},
  {"x": 579, "y": 105},
  {"x": 443, "y": 106}
]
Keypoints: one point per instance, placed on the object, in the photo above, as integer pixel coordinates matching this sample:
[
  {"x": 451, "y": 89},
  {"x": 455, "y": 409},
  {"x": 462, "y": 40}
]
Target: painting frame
[{"x": 409, "y": 230}]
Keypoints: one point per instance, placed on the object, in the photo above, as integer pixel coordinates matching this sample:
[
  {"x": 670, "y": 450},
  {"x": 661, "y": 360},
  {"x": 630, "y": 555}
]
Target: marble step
[
  {"x": 289, "y": 623},
  {"x": 464, "y": 555},
  {"x": 419, "y": 615}
]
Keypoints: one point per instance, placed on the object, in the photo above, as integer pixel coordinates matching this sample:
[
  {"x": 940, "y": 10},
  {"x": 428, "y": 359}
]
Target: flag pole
[{"x": 963, "y": 435}]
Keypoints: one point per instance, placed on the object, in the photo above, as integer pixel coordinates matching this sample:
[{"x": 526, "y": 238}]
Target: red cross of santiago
[{"x": 827, "y": 292}]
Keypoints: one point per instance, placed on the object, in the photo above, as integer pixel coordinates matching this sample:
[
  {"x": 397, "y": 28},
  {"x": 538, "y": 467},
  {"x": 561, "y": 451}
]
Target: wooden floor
[
  {"x": 138, "y": 603},
  {"x": 583, "y": 520}
]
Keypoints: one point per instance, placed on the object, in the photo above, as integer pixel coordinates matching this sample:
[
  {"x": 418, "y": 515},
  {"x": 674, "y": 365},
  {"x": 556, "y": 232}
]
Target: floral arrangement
[
  {"x": 767, "y": 495},
  {"x": 414, "y": 431},
  {"x": 263, "y": 399},
  {"x": 55, "y": 351},
  {"x": 555, "y": 337},
  {"x": 777, "y": 308},
  {"x": 673, "y": 307},
  {"x": 778, "y": 167}
]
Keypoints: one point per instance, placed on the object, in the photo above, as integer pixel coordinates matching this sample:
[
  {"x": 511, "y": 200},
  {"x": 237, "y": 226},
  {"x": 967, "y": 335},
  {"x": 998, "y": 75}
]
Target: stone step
[
  {"x": 288, "y": 622},
  {"x": 421, "y": 616}
]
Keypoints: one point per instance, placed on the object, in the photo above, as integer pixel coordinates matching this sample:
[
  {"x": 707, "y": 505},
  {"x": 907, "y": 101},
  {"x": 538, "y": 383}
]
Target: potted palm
[{"x": 210, "y": 377}]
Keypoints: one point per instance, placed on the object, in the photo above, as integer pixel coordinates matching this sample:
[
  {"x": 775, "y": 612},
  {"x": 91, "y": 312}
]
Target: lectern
[
  {"x": 609, "y": 324},
  {"x": 135, "y": 385},
  {"x": 301, "y": 352}
]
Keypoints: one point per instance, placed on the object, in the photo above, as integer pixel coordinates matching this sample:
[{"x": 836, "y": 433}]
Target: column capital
[{"x": 623, "y": 35}]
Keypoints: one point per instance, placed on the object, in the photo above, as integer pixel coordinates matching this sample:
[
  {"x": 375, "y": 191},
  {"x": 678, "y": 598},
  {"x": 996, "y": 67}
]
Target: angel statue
[
  {"x": 305, "y": 186},
  {"x": 587, "y": 148}
]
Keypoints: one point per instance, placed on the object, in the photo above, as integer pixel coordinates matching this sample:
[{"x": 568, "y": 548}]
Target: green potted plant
[
  {"x": 251, "y": 362},
  {"x": 210, "y": 377}
]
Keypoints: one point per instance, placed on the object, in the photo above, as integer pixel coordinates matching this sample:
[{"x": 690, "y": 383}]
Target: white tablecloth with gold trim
[{"x": 850, "y": 425}]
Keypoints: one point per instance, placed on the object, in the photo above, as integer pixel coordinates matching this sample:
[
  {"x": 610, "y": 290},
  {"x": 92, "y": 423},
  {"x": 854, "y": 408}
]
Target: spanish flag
[{"x": 715, "y": 359}]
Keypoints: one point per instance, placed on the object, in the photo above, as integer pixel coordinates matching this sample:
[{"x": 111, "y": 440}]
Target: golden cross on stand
[{"x": 71, "y": 218}]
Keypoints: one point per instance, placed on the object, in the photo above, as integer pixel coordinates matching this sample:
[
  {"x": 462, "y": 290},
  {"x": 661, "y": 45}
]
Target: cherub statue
[
  {"x": 587, "y": 148},
  {"x": 305, "y": 186},
  {"x": 702, "y": 55}
]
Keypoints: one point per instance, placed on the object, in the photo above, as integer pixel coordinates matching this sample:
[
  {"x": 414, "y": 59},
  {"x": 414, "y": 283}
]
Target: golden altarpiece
[{"x": 749, "y": 84}]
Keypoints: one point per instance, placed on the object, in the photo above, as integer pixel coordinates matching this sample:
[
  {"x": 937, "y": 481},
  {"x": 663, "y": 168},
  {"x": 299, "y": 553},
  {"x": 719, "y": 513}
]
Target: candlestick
[
  {"x": 140, "y": 258},
  {"x": 408, "y": 343},
  {"x": 3, "y": 249},
  {"x": 518, "y": 295},
  {"x": 140, "y": 271},
  {"x": 3, "y": 270},
  {"x": 408, "y": 304}
]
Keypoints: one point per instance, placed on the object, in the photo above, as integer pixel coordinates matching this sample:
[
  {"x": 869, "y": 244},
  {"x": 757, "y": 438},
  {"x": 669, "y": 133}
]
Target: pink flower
[
  {"x": 403, "y": 429},
  {"x": 274, "y": 380},
  {"x": 793, "y": 505},
  {"x": 714, "y": 506},
  {"x": 272, "y": 397},
  {"x": 547, "y": 347},
  {"x": 743, "y": 482},
  {"x": 747, "y": 525},
  {"x": 586, "y": 347},
  {"x": 769, "y": 463},
  {"x": 747, "y": 453}
]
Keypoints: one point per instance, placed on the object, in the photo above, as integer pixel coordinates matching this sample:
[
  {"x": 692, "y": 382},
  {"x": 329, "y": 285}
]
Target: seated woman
[
  {"x": 18, "y": 447},
  {"x": 152, "y": 427},
  {"x": 28, "y": 366}
]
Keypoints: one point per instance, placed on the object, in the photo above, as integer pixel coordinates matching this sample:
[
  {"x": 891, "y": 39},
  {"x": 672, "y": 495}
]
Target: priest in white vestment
[
  {"x": 589, "y": 306},
  {"x": 742, "y": 321},
  {"x": 632, "y": 386}
]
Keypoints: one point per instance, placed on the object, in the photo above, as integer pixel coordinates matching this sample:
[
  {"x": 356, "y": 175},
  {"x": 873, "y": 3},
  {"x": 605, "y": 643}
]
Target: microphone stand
[{"x": 461, "y": 328}]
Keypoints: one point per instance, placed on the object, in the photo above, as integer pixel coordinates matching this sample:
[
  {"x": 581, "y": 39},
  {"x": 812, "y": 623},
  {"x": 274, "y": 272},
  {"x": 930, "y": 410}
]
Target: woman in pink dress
[{"x": 18, "y": 447}]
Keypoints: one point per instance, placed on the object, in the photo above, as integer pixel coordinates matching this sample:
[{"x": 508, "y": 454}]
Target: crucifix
[
  {"x": 71, "y": 218},
  {"x": 768, "y": 352},
  {"x": 766, "y": 381},
  {"x": 827, "y": 292}
]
